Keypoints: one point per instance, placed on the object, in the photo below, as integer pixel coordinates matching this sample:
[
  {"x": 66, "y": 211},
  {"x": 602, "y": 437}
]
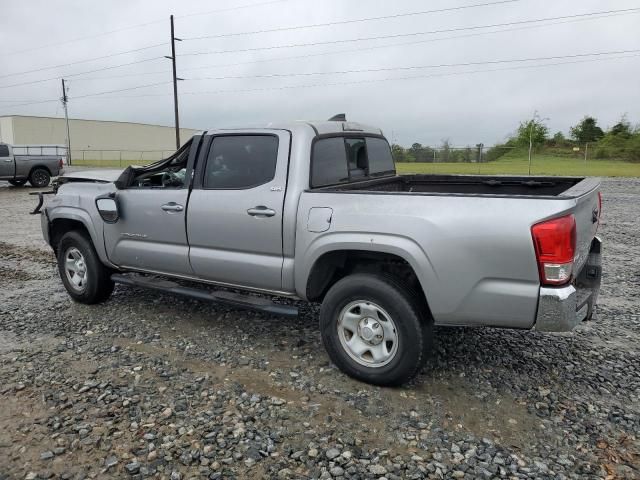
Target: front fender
[
  {"x": 94, "y": 228},
  {"x": 403, "y": 247}
]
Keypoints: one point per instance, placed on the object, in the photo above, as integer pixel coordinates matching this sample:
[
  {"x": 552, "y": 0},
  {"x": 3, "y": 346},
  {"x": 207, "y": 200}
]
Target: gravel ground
[{"x": 150, "y": 385}]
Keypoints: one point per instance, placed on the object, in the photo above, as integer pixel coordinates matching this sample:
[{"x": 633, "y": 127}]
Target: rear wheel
[
  {"x": 17, "y": 183},
  {"x": 84, "y": 276},
  {"x": 39, "y": 177},
  {"x": 373, "y": 330}
]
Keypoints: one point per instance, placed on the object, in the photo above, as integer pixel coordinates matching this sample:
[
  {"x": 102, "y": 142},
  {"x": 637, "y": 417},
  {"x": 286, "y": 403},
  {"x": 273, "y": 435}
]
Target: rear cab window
[
  {"x": 343, "y": 159},
  {"x": 4, "y": 150}
]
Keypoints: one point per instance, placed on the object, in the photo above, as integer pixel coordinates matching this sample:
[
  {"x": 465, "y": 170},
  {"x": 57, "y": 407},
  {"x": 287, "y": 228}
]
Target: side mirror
[{"x": 108, "y": 209}]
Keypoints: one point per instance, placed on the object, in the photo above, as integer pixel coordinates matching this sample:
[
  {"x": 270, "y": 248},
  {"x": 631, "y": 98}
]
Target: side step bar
[{"x": 228, "y": 298}]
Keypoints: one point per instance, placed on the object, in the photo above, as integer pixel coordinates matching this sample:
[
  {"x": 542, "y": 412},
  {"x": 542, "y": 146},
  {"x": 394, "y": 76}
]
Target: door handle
[
  {"x": 261, "y": 211},
  {"x": 9, "y": 160},
  {"x": 172, "y": 207}
]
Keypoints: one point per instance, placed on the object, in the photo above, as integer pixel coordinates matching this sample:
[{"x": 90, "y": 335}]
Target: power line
[
  {"x": 111, "y": 67},
  {"x": 229, "y": 9},
  {"x": 363, "y": 48},
  {"x": 139, "y": 25},
  {"x": 287, "y": 87},
  {"x": 148, "y": 47},
  {"x": 307, "y": 55},
  {"x": 357, "y": 82},
  {"x": 93, "y": 94},
  {"x": 371, "y": 70},
  {"x": 402, "y": 35},
  {"x": 357, "y": 20},
  {"x": 414, "y": 67}
]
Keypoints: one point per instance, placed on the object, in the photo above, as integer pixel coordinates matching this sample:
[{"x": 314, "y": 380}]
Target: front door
[
  {"x": 150, "y": 233},
  {"x": 234, "y": 223}
]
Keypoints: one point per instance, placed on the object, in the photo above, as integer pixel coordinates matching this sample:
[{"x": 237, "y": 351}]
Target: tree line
[{"x": 621, "y": 141}]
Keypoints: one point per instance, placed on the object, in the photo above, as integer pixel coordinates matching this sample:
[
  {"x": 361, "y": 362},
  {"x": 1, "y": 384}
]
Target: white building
[{"x": 94, "y": 139}]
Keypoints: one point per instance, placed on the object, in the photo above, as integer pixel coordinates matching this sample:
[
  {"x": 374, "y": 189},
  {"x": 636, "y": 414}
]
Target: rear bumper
[{"x": 561, "y": 309}]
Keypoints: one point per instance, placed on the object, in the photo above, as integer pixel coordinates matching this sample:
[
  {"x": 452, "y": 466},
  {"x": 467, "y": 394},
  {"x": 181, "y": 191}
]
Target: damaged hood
[{"x": 93, "y": 175}]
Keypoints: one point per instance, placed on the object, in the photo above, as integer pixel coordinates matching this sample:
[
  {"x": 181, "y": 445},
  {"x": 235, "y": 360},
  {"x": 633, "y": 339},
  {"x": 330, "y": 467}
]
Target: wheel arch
[
  {"x": 65, "y": 219},
  {"x": 399, "y": 257}
]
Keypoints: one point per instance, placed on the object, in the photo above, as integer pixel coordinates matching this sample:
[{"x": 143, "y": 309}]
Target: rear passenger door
[{"x": 234, "y": 219}]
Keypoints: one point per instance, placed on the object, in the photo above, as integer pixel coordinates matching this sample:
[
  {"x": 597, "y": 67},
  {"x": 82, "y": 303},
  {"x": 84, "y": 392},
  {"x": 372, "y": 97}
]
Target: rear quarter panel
[{"x": 473, "y": 255}]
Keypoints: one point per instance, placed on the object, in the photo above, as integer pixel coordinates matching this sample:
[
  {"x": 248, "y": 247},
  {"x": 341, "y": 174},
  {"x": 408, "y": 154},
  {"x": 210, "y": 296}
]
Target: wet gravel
[{"x": 158, "y": 386}]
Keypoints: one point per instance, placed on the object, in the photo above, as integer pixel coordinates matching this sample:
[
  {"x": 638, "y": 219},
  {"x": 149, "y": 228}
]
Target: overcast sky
[{"x": 444, "y": 102}]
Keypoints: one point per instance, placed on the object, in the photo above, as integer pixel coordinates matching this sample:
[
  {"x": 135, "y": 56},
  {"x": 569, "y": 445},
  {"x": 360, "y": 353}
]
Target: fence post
[{"x": 586, "y": 148}]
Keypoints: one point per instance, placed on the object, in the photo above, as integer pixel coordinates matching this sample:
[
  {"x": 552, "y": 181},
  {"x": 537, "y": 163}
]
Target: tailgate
[{"x": 587, "y": 214}]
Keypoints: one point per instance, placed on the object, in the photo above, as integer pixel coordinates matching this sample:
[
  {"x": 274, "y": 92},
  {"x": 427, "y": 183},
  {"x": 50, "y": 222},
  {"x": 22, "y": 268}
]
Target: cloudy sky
[{"x": 396, "y": 80}]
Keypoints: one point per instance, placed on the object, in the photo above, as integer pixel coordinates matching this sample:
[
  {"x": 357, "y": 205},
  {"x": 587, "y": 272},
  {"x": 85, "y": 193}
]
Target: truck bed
[{"x": 462, "y": 184}]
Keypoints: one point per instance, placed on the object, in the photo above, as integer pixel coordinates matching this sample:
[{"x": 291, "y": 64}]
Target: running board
[{"x": 228, "y": 298}]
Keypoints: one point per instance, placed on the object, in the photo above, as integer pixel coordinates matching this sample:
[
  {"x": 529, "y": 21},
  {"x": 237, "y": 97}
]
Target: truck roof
[{"x": 325, "y": 127}]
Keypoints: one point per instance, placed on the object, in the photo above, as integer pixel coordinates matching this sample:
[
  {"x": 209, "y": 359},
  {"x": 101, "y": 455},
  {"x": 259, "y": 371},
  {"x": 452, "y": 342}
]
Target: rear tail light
[
  {"x": 555, "y": 245},
  {"x": 60, "y": 163},
  {"x": 599, "y": 207}
]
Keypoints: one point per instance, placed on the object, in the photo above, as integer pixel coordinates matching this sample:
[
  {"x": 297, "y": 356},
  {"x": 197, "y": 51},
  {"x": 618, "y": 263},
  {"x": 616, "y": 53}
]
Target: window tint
[
  {"x": 241, "y": 161},
  {"x": 329, "y": 162},
  {"x": 4, "y": 151},
  {"x": 379, "y": 153}
]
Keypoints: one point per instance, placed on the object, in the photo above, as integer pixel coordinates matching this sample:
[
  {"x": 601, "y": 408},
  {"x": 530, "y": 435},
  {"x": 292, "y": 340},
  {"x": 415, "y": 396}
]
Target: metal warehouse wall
[{"x": 90, "y": 134}]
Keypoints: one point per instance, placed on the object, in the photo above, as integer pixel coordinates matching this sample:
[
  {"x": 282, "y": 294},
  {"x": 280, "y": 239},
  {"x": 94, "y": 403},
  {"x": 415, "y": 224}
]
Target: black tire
[
  {"x": 17, "y": 183},
  {"x": 97, "y": 285},
  {"x": 39, "y": 177},
  {"x": 413, "y": 328}
]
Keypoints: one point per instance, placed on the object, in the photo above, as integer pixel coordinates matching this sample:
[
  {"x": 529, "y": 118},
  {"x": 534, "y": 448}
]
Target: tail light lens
[
  {"x": 555, "y": 246},
  {"x": 599, "y": 207},
  {"x": 60, "y": 163}
]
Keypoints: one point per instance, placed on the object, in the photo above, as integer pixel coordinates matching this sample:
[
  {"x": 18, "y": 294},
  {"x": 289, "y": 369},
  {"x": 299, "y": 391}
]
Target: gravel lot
[{"x": 157, "y": 386}]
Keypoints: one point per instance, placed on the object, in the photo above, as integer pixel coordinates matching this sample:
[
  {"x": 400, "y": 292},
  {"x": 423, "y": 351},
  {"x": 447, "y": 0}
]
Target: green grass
[
  {"x": 540, "y": 165},
  {"x": 507, "y": 165}
]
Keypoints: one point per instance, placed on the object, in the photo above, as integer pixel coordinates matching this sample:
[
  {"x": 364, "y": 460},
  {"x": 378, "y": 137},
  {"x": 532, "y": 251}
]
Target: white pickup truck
[{"x": 315, "y": 211}]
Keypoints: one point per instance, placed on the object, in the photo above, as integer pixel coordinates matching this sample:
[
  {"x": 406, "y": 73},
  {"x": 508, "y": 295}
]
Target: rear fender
[{"x": 399, "y": 246}]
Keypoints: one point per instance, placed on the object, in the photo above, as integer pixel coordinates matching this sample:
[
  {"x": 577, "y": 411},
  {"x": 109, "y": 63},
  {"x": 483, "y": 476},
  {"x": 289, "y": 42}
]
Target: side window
[
  {"x": 241, "y": 161},
  {"x": 4, "y": 151},
  {"x": 329, "y": 162},
  {"x": 379, "y": 153},
  {"x": 167, "y": 175}
]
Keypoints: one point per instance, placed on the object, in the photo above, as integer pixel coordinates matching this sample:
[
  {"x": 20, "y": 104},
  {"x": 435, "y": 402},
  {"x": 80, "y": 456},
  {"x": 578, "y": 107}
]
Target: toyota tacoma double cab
[{"x": 315, "y": 211}]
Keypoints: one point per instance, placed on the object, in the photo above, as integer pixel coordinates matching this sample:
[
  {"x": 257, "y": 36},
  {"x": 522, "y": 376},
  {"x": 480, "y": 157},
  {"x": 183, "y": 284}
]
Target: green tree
[
  {"x": 622, "y": 128},
  {"x": 587, "y": 130},
  {"x": 559, "y": 139},
  {"x": 533, "y": 129}
]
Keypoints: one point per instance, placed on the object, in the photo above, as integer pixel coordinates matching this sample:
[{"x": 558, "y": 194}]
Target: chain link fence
[
  {"x": 579, "y": 160},
  {"x": 480, "y": 159},
  {"x": 117, "y": 158}
]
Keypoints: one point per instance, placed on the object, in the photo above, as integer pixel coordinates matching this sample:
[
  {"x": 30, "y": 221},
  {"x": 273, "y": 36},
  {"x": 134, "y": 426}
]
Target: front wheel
[
  {"x": 39, "y": 178},
  {"x": 373, "y": 330},
  {"x": 84, "y": 276}
]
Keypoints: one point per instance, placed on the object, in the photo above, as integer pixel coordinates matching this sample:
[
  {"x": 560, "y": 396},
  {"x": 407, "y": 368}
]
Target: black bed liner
[{"x": 461, "y": 184}]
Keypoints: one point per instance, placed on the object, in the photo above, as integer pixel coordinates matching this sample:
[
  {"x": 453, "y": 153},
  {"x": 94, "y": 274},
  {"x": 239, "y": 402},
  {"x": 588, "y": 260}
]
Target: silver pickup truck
[
  {"x": 314, "y": 211},
  {"x": 30, "y": 163}
]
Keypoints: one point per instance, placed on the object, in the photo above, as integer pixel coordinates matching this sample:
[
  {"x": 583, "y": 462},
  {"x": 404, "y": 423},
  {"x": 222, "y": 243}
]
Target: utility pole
[
  {"x": 66, "y": 118},
  {"x": 175, "y": 83}
]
